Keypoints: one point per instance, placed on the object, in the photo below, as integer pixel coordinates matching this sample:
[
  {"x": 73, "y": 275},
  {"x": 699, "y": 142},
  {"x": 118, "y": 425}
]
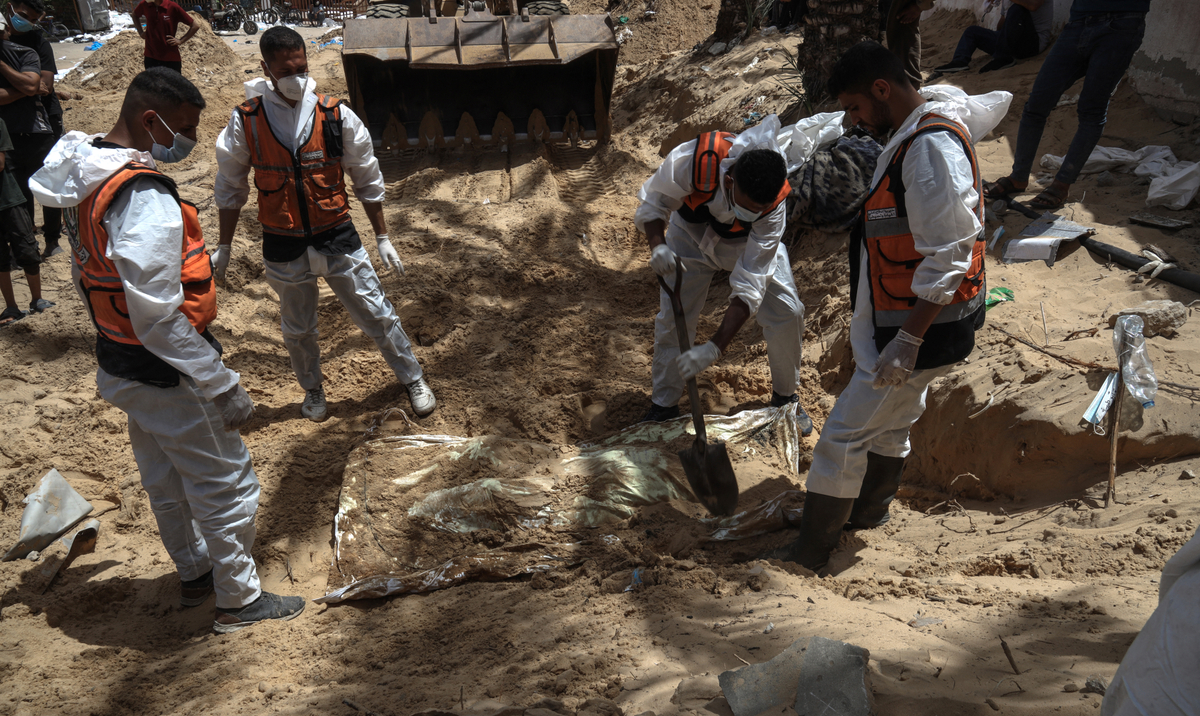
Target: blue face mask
[
  {"x": 743, "y": 215},
  {"x": 19, "y": 24},
  {"x": 180, "y": 147}
]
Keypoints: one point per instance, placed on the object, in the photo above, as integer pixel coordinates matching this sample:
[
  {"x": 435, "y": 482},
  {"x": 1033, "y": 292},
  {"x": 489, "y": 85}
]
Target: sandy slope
[{"x": 530, "y": 311}]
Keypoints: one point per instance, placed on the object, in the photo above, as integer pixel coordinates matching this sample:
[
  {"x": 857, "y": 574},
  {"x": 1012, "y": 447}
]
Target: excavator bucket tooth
[{"x": 490, "y": 80}]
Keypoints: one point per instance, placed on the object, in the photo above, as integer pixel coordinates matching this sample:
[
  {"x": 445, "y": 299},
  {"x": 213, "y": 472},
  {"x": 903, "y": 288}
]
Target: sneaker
[
  {"x": 421, "y": 397},
  {"x": 997, "y": 65},
  {"x": 193, "y": 593},
  {"x": 314, "y": 405},
  {"x": 657, "y": 413},
  {"x": 267, "y": 606},
  {"x": 40, "y": 305},
  {"x": 952, "y": 66},
  {"x": 778, "y": 401}
]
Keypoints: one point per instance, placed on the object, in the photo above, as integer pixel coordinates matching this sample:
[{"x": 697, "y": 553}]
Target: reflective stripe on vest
[
  {"x": 98, "y": 275},
  {"x": 304, "y": 193},
  {"x": 711, "y": 149},
  {"x": 892, "y": 257}
]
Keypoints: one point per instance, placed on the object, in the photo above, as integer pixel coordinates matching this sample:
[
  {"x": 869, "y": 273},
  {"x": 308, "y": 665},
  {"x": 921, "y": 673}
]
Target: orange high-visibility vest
[
  {"x": 303, "y": 193},
  {"x": 892, "y": 260},
  {"x": 98, "y": 275},
  {"x": 711, "y": 149}
]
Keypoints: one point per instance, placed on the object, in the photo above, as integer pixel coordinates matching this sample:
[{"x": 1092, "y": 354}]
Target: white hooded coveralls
[
  {"x": 941, "y": 199},
  {"x": 351, "y": 276},
  {"x": 760, "y": 270},
  {"x": 199, "y": 478}
]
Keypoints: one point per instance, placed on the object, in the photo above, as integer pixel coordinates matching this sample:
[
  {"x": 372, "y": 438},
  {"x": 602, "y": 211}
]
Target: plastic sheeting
[
  {"x": 803, "y": 139},
  {"x": 395, "y": 500},
  {"x": 1173, "y": 183},
  {"x": 50, "y": 510}
]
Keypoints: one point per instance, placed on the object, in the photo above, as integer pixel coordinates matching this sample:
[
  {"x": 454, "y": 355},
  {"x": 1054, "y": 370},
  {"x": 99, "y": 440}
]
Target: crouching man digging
[
  {"x": 139, "y": 264},
  {"x": 299, "y": 143},
  {"x": 916, "y": 287},
  {"x": 718, "y": 203}
]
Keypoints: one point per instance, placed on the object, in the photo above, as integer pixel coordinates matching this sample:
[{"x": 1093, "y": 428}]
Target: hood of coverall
[{"x": 75, "y": 168}]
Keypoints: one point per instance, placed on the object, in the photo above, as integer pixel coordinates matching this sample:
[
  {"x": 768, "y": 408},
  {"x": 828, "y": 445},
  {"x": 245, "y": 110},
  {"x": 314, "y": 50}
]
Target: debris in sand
[
  {"x": 1161, "y": 317},
  {"x": 753, "y": 689},
  {"x": 1041, "y": 239},
  {"x": 1094, "y": 685},
  {"x": 833, "y": 679},
  {"x": 1187, "y": 475},
  {"x": 50, "y": 510},
  {"x": 1145, "y": 218}
]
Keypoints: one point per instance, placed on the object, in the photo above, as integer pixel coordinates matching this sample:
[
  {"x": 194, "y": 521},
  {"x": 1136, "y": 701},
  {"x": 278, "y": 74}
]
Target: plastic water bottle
[{"x": 1133, "y": 360}]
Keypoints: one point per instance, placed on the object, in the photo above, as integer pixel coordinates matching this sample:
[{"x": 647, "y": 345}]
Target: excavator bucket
[{"x": 479, "y": 79}]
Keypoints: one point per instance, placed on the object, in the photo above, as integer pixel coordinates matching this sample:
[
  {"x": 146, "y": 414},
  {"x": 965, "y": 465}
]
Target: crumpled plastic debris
[
  {"x": 50, "y": 510},
  {"x": 520, "y": 486}
]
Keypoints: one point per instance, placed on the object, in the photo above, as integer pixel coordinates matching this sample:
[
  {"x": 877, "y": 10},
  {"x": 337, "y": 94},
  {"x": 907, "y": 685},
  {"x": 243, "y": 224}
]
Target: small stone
[
  {"x": 717, "y": 48},
  {"x": 1094, "y": 685},
  {"x": 550, "y": 704},
  {"x": 1101, "y": 611},
  {"x": 1071, "y": 687},
  {"x": 1106, "y": 179},
  {"x": 599, "y": 707},
  {"x": 563, "y": 681},
  {"x": 1187, "y": 475},
  {"x": 1161, "y": 318},
  {"x": 1172, "y": 513},
  {"x": 262, "y": 687}
]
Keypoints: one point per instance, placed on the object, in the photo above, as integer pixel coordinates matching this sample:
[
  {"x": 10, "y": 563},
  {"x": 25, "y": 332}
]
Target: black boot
[
  {"x": 879, "y": 486},
  {"x": 820, "y": 529}
]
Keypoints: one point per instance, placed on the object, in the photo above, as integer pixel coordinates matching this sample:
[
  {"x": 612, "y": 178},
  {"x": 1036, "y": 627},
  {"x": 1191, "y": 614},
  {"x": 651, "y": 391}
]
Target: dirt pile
[
  {"x": 654, "y": 28},
  {"x": 119, "y": 60}
]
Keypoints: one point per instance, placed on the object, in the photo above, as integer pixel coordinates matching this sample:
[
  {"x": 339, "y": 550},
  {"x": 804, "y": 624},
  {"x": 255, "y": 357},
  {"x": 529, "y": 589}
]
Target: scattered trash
[
  {"x": 920, "y": 622},
  {"x": 635, "y": 580},
  {"x": 50, "y": 510},
  {"x": 1173, "y": 183},
  {"x": 1041, "y": 239},
  {"x": 1110, "y": 254},
  {"x": 1157, "y": 261},
  {"x": 757, "y": 688},
  {"x": 624, "y": 19},
  {"x": 624, "y": 34},
  {"x": 1094, "y": 685},
  {"x": 1098, "y": 409},
  {"x": 717, "y": 48},
  {"x": 1160, "y": 222},
  {"x": 752, "y": 65},
  {"x": 1134, "y": 361},
  {"x": 833, "y": 679},
  {"x": 1176, "y": 189},
  {"x": 770, "y": 31},
  {"x": 995, "y": 237},
  {"x": 706, "y": 68},
  {"x": 94, "y": 46},
  {"x": 770, "y": 628},
  {"x": 998, "y": 295},
  {"x": 1000, "y": 206},
  {"x": 487, "y": 201},
  {"x": 81, "y": 543}
]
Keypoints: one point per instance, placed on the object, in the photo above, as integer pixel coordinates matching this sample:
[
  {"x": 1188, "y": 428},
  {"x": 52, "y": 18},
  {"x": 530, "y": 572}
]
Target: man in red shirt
[{"x": 162, "y": 19}]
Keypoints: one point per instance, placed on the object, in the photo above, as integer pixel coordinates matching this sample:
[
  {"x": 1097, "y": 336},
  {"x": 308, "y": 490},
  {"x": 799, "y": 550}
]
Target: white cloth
[
  {"x": 1043, "y": 24},
  {"x": 663, "y": 194},
  {"x": 145, "y": 230},
  {"x": 941, "y": 200},
  {"x": 1157, "y": 676},
  {"x": 293, "y": 126},
  {"x": 200, "y": 481},
  {"x": 780, "y": 313},
  {"x": 354, "y": 281},
  {"x": 865, "y": 419}
]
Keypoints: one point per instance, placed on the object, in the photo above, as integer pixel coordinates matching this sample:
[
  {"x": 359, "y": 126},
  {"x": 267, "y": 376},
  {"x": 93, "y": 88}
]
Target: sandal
[
  {"x": 11, "y": 315},
  {"x": 40, "y": 305},
  {"x": 1048, "y": 200},
  {"x": 1002, "y": 188}
]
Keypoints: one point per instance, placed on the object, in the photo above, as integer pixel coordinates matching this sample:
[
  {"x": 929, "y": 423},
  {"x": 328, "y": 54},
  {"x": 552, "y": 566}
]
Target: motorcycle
[{"x": 231, "y": 17}]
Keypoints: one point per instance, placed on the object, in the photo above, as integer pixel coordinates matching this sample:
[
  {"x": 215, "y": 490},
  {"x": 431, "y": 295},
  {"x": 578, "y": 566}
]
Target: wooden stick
[
  {"x": 1045, "y": 333},
  {"x": 1008, "y": 652},
  {"x": 1114, "y": 427}
]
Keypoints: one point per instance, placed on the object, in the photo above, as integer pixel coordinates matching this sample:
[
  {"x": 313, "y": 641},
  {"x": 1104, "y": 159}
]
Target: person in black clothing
[{"x": 33, "y": 134}]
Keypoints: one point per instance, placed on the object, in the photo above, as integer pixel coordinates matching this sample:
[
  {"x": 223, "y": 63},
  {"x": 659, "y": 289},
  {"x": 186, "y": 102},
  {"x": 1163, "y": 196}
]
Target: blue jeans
[
  {"x": 1016, "y": 38},
  {"x": 1097, "y": 48}
]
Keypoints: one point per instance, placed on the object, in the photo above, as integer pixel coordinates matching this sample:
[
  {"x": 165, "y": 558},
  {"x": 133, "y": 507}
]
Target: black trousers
[
  {"x": 151, "y": 62},
  {"x": 28, "y": 155}
]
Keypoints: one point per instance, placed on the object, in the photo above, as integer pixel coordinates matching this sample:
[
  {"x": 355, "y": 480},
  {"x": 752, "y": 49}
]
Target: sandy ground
[{"x": 530, "y": 302}]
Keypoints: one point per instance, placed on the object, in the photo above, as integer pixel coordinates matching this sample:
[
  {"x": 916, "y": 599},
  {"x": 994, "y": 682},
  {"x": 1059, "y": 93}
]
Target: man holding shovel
[{"x": 718, "y": 204}]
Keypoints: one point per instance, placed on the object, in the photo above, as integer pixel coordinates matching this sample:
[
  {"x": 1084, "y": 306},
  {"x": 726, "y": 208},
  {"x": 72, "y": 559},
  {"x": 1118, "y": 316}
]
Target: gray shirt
[{"x": 1043, "y": 24}]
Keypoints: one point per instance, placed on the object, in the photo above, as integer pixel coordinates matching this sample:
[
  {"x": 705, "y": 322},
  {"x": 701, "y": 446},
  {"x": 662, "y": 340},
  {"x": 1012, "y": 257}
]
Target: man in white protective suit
[
  {"x": 917, "y": 287},
  {"x": 718, "y": 203},
  {"x": 139, "y": 264},
  {"x": 301, "y": 144}
]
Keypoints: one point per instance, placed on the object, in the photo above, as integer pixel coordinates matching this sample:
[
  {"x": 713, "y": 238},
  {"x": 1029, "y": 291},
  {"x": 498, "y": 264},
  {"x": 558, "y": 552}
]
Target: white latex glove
[
  {"x": 387, "y": 254},
  {"x": 663, "y": 259},
  {"x": 220, "y": 261},
  {"x": 236, "y": 407},
  {"x": 690, "y": 363},
  {"x": 897, "y": 360}
]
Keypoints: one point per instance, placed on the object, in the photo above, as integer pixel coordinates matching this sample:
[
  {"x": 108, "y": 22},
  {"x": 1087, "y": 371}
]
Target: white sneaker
[
  {"x": 314, "y": 405},
  {"x": 421, "y": 397}
]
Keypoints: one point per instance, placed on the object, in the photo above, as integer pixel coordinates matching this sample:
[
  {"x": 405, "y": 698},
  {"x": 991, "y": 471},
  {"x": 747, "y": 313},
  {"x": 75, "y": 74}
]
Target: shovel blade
[{"x": 710, "y": 474}]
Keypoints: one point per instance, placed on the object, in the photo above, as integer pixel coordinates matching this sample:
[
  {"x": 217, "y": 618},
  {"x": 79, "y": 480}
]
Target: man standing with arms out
[
  {"x": 139, "y": 264},
  {"x": 162, "y": 19},
  {"x": 299, "y": 144},
  {"x": 24, "y": 17},
  {"x": 718, "y": 204},
  {"x": 1097, "y": 44},
  {"x": 916, "y": 287}
]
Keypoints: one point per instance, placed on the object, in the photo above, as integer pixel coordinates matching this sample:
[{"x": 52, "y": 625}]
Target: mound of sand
[
  {"x": 119, "y": 60},
  {"x": 672, "y": 25}
]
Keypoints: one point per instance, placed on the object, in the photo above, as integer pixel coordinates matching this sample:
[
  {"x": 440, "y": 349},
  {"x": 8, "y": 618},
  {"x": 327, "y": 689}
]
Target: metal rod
[
  {"x": 1114, "y": 426},
  {"x": 1045, "y": 333}
]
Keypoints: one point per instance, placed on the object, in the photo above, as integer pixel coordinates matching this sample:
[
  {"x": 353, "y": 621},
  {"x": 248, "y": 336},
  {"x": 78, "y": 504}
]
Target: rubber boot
[
  {"x": 879, "y": 486},
  {"x": 820, "y": 529}
]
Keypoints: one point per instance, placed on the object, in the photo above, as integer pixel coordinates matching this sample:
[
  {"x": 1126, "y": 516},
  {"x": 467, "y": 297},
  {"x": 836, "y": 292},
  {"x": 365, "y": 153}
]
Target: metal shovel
[{"x": 707, "y": 465}]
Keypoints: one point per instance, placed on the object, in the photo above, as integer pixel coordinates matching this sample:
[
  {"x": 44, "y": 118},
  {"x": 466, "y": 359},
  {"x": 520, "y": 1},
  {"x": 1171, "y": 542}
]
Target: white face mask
[
  {"x": 743, "y": 215},
  {"x": 180, "y": 147},
  {"x": 291, "y": 87}
]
